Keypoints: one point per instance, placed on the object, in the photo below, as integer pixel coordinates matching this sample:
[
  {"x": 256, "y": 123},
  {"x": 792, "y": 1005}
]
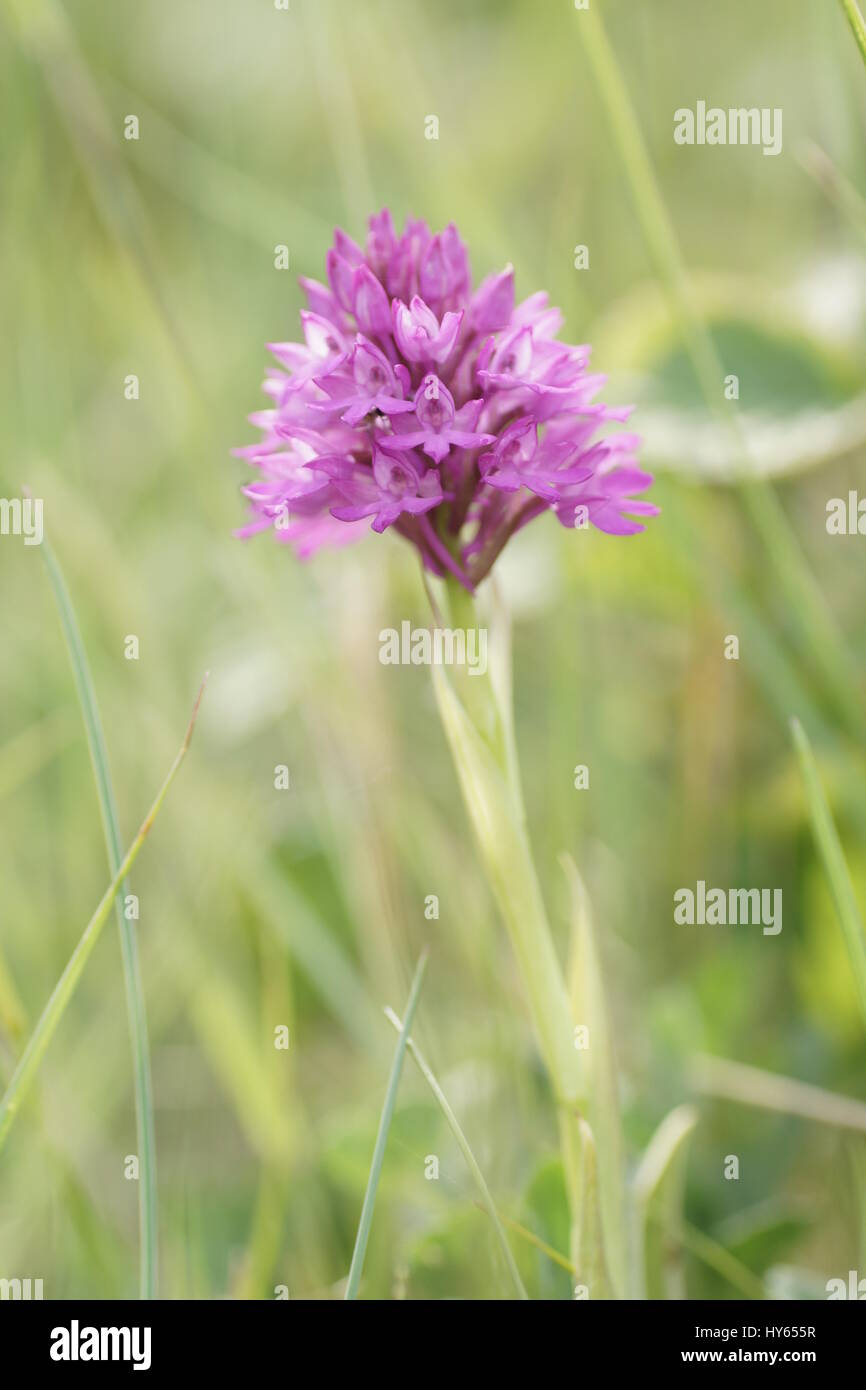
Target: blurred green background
[{"x": 306, "y": 907}]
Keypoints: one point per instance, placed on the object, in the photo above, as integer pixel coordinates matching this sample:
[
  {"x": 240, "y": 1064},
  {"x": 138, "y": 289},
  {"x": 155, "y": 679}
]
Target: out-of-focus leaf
[
  {"x": 589, "y": 1247},
  {"x": 720, "y": 1261},
  {"x": 546, "y": 1215},
  {"x": 761, "y": 1236},
  {"x": 857, "y": 1154},
  {"x": 800, "y": 396},
  {"x": 233, "y": 1048},
  {"x": 318, "y": 953},
  {"x": 658, "y": 1191},
  {"x": 833, "y": 859},
  {"x": 438, "y": 1259},
  {"x": 586, "y": 989},
  {"x": 717, "y": 1076}
]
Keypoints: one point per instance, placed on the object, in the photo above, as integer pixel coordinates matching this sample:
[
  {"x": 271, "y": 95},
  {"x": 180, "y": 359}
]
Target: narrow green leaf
[
  {"x": 486, "y": 764},
  {"x": 857, "y": 1158},
  {"x": 300, "y": 931},
  {"x": 719, "y": 1259},
  {"x": 34, "y": 1052},
  {"x": 762, "y": 1235},
  {"x": 710, "y": 1252},
  {"x": 833, "y": 859},
  {"x": 589, "y": 1009},
  {"x": 717, "y": 1076},
  {"x": 133, "y": 985},
  {"x": 532, "y": 1239},
  {"x": 858, "y": 24},
  {"x": 658, "y": 1190},
  {"x": 366, "y": 1221},
  {"x": 588, "y": 1241},
  {"x": 463, "y": 1144}
]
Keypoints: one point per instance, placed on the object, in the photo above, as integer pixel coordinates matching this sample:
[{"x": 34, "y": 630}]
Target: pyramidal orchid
[{"x": 454, "y": 417}]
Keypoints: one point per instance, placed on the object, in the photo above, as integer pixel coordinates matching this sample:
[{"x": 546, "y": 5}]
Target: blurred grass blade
[
  {"x": 463, "y": 1144},
  {"x": 839, "y": 190},
  {"x": 833, "y": 859},
  {"x": 47, "y": 36},
  {"x": 134, "y": 988},
  {"x": 51, "y": 1015},
  {"x": 334, "y": 80},
  {"x": 589, "y": 1007},
  {"x": 858, "y": 24},
  {"x": 212, "y": 187},
  {"x": 233, "y": 1050},
  {"x": 524, "y": 1232},
  {"x": 721, "y": 1261},
  {"x": 299, "y": 929},
  {"x": 589, "y": 1242},
  {"x": 658, "y": 1189},
  {"x": 857, "y": 1157},
  {"x": 716, "y": 1076},
  {"x": 366, "y": 1221},
  {"x": 818, "y": 636}
]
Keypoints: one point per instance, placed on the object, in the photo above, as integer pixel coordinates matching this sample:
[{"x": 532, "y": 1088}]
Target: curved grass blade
[
  {"x": 63, "y": 991},
  {"x": 858, "y": 24},
  {"x": 658, "y": 1188},
  {"x": 366, "y": 1221},
  {"x": 134, "y": 988},
  {"x": 487, "y": 1204},
  {"x": 833, "y": 859}
]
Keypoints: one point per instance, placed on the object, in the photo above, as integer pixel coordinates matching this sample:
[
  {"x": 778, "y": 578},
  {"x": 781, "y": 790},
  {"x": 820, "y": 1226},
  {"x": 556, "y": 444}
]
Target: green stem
[
  {"x": 134, "y": 988},
  {"x": 478, "y": 731}
]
